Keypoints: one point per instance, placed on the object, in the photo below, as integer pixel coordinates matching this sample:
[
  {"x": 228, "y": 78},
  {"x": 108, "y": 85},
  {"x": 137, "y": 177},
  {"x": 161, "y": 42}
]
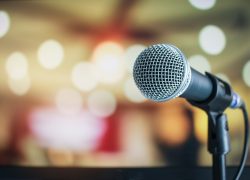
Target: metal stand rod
[{"x": 219, "y": 167}]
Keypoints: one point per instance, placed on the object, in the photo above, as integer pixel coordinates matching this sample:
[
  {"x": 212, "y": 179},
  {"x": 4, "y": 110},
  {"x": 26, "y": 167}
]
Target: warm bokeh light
[
  {"x": 204, "y": 158},
  {"x": 5, "y": 129},
  {"x": 132, "y": 92},
  {"x": 50, "y": 54},
  {"x": 212, "y": 39},
  {"x": 61, "y": 157},
  {"x": 134, "y": 128},
  {"x": 203, "y": 4},
  {"x": 84, "y": 76},
  {"x": 19, "y": 86},
  {"x": 4, "y": 23},
  {"x": 101, "y": 103},
  {"x": 200, "y": 125},
  {"x": 224, "y": 77},
  {"x": 108, "y": 59},
  {"x": 246, "y": 73},
  {"x": 173, "y": 126},
  {"x": 200, "y": 63},
  {"x": 131, "y": 54},
  {"x": 17, "y": 66},
  {"x": 81, "y": 132},
  {"x": 69, "y": 101}
]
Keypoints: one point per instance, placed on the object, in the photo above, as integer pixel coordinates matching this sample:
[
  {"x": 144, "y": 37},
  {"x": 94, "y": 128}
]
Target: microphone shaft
[{"x": 200, "y": 87}]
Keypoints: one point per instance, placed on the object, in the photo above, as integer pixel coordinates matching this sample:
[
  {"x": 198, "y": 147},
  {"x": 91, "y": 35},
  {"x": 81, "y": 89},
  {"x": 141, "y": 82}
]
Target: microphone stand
[
  {"x": 218, "y": 136},
  {"x": 218, "y": 143}
]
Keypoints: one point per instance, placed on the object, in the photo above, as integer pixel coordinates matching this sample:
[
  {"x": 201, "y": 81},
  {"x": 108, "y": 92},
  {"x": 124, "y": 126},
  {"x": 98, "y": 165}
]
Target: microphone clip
[{"x": 220, "y": 98}]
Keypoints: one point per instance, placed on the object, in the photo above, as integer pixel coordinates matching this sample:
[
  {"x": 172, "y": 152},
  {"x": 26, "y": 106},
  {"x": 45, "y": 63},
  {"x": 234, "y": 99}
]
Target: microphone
[{"x": 161, "y": 72}]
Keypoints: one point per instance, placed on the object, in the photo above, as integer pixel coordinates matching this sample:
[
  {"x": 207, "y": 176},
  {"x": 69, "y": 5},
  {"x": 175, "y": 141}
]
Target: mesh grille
[{"x": 160, "y": 72}]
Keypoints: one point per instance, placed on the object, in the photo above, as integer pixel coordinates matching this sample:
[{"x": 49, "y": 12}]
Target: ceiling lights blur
[
  {"x": 132, "y": 92},
  {"x": 200, "y": 63},
  {"x": 69, "y": 101},
  {"x": 4, "y": 23},
  {"x": 246, "y": 73},
  {"x": 17, "y": 71},
  {"x": 84, "y": 76},
  {"x": 101, "y": 103},
  {"x": 17, "y": 65},
  {"x": 19, "y": 86},
  {"x": 202, "y": 4},
  {"x": 108, "y": 59},
  {"x": 212, "y": 39},
  {"x": 50, "y": 54},
  {"x": 131, "y": 54}
]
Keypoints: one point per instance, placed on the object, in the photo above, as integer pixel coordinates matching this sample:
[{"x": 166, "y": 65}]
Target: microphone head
[{"x": 161, "y": 72}]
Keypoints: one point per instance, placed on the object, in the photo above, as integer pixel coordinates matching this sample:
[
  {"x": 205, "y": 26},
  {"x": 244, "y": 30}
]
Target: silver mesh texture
[{"x": 161, "y": 72}]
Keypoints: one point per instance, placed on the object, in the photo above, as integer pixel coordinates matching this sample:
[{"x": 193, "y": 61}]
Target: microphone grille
[{"x": 161, "y": 72}]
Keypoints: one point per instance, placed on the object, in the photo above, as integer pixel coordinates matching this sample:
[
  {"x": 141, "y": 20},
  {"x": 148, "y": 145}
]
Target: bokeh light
[
  {"x": 73, "y": 132},
  {"x": 50, "y": 54},
  {"x": 131, "y": 54},
  {"x": 102, "y": 103},
  {"x": 19, "y": 86},
  {"x": 4, "y": 23},
  {"x": 246, "y": 73},
  {"x": 224, "y": 77},
  {"x": 17, "y": 66},
  {"x": 132, "y": 92},
  {"x": 84, "y": 76},
  {"x": 200, "y": 125},
  {"x": 60, "y": 157},
  {"x": 108, "y": 59},
  {"x": 200, "y": 63},
  {"x": 202, "y": 4},
  {"x": 212, "y": 39},
  {"x": 69, "y": 101},
  {"x": 173, "y": 126}
]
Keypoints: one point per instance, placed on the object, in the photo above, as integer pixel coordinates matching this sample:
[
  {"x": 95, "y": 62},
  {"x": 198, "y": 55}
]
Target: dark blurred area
[{"x": 67, "y": 95}]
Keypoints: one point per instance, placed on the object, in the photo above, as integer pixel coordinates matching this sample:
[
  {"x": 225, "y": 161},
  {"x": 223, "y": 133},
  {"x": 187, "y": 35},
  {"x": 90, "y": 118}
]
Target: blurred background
[{"x": 67, "y": 95}]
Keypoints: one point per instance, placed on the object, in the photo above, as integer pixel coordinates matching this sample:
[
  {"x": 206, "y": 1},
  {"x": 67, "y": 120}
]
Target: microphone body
[{"x": 161, "y": 72}]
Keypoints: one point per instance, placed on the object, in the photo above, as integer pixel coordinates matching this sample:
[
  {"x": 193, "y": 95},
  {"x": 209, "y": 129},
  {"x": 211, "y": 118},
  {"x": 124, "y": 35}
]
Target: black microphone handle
[{"x": 200, "y": 87}]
